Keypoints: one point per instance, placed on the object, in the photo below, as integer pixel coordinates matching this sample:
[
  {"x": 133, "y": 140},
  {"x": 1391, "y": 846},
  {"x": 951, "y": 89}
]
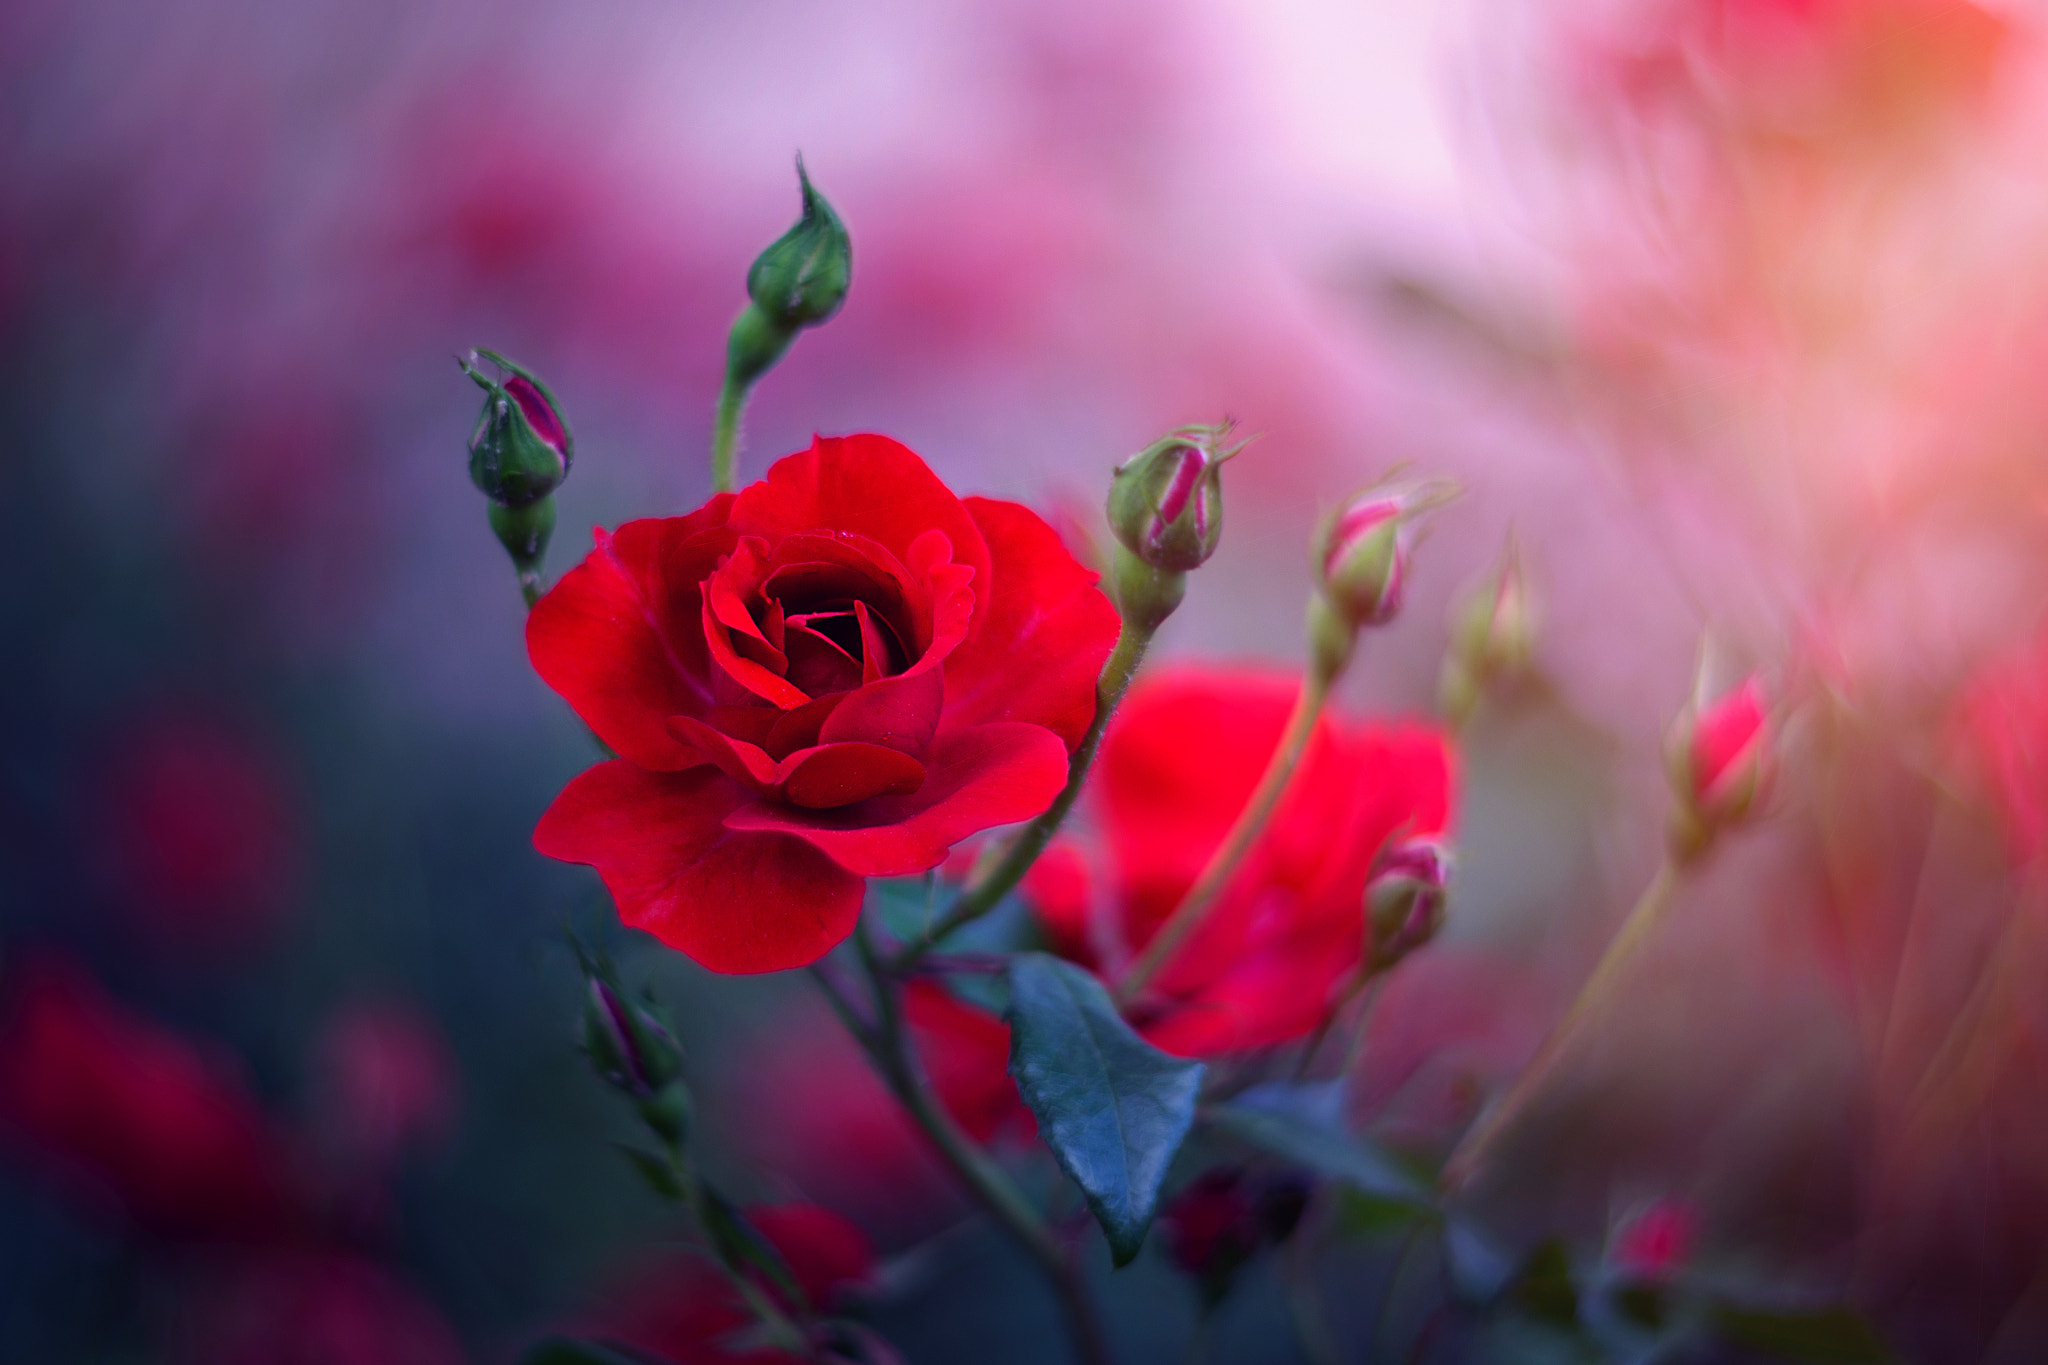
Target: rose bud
[
  {"x": 798, "y": 282},
  {"x": 1721, "y": 763},
  {"x": 521, "y": 449},
  {"x": 1656, "y": 1242},
  {"x": 1210, "y": 1229},
  {"x": 1166, "y": 502},
  {"x": 1405, "y": 898},
  {"x": 1493, "y": 633},
  {"x": 1361, "y": 563},
  {"x": 630, "y": 1047}
]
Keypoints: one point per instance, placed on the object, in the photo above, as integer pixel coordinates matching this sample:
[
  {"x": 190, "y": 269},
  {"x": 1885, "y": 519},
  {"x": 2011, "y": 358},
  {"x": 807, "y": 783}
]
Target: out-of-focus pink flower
[
  {"x": 686, "y": 1311},
  {"x": 2003, "y": 720},
  {"x": 384, "y": 1083},
  {"x": 1657, "y": 1242},
  {"x": 202, "y": 832},
  {"x": 181, "y": 1145},
  {"x": 313, "y": 1308}
]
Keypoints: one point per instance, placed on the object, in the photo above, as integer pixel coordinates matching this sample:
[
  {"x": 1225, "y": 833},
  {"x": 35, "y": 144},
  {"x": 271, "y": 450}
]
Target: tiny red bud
[
  {"x": 1166, "y": 502},
  {"x": 1657, "y": 1242}
]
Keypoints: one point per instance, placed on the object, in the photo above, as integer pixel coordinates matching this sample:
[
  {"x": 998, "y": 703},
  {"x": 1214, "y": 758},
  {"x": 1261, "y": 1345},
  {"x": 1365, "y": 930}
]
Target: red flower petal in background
[
  {"x": 182, "y": 1146},
  {"x": 384, "y": 1083},
  {"x": 965, "y": 1052},
  {"x": 685, "y": 1310},
  {"x": 312, "y": 1308},
  {"x": 1178, "y": 762}
]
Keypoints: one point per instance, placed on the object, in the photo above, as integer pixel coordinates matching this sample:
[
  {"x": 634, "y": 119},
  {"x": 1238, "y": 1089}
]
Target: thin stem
[
  {"x": 979, "y": 899},
  {"x": 732, "y": 399},
  {"x": 1472, "y": 1151},
  {"x": 888, "y": 1047},
  {"x": 1251, "y": 822},
  {"x": 531, "y": 586}
]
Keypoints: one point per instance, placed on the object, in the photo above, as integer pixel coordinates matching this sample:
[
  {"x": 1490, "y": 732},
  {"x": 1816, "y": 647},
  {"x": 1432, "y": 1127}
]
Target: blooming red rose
[
  {"x": 1180, "y": 758},
  {"x": 183, "y": 1147},
  {"x": 834, "y": 674}
]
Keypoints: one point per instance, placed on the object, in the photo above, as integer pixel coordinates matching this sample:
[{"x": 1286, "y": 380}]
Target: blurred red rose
[
  {"x": 202, "y": 833},
  {"x": 686, "y": 1311},
  {"x": 181, "y": 1145},
  {"x": 837, "y": 673},
  {"x": 384, "y": 1082},
  {"x": 965, "y": 1052},
  {"x": 314, "y": 1308},
  {"x": 1178, "y": 762}
]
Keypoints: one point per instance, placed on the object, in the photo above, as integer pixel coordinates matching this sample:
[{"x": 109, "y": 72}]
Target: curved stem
[
  {"x": 978, "y": 900},
  {"x": 1473, "y": 1149},
  {"x": 1194, "y": 907},
  {"x": 732, "y": 399},
  {"x": 888, "y": 1048}
]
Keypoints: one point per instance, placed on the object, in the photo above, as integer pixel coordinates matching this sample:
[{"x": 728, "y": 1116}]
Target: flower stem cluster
[
  {"x": 798, "y": 282},
  {"x": 519, "y": 454}
]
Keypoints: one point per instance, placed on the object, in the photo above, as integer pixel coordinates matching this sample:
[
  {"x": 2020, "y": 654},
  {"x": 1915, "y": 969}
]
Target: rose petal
[
  {"x": 899, "y": 712},
  {"x": 747, "y": 764},
  {"x": 619, "y": 637},
  {"x": 723, "y": 604},
  {"x": 732, "y": 899},
  {"x": 835, "y": 775},
  {"x": 867, "y": 485},
  {"x": 1040, "y": 635},
  {"x": 974, "y": 779}
]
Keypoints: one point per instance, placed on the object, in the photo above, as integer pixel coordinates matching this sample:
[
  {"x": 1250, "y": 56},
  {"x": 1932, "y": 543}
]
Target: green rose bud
[
  {"x": 521, "y": 449},
  {"x": 802, "y": 278}
]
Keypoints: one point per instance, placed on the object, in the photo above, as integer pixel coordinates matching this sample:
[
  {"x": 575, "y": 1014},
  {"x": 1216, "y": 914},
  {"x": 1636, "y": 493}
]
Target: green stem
[
  {"x": 887, "y": 1046},
  {"x": 983, "y": 896},
  {"x": 531, "y": 586},
  {"x": 732, "y": 400},
  {"x": 781, "y": 1330},
  {"x": 1201, "y": 898},
  {"x": 1473, "y": 1149}
]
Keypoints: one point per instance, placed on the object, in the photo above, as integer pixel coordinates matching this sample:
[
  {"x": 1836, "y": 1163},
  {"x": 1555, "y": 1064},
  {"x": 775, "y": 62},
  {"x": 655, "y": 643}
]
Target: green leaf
[
  {"x": 655, "y": 1170},
  {"x": 1113, "y": 1108},
  {"x": 1302, "y": 1123},
  {"x": 1827, "y": 1336},
  {"x": 563, "y": 1351}
]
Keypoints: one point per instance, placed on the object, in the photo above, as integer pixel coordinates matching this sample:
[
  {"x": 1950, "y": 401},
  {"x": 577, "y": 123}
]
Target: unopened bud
[
  {"x": 802, "y": 278},
  {"x": 1405, "y": 898},
  {"x": 630, "y": 1047},
  {"x": 1362, "y": 554},
  {"x": 1166, "y": 502},
  {"x": 521, "y": 449},
  {"x": 1493, "y": 633},
  {"x": 1722, "y": 763}
]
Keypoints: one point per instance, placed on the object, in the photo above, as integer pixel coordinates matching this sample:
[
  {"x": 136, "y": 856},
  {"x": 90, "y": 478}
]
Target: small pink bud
[
  {"x": 1405, "y": 898},
  {"x": 1657, "y": 1242},
  {"x": 1166, "y": 502},
  {"x": 1721, "y": 763},
  {"x": 1362, "y": 558}
]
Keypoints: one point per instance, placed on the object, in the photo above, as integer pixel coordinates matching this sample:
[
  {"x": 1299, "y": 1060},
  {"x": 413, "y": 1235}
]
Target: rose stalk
[
  {"x": 1721, "y": 763},
  {"x": 1361, "y": 567}
]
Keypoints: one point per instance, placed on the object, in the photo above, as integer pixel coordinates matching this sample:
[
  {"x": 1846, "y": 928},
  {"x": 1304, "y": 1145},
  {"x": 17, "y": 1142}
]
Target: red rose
[
  {"x": 183, "y": 1147},
  {"x": 834, "y": 674},
  {"x": 1180, "y": 758}
]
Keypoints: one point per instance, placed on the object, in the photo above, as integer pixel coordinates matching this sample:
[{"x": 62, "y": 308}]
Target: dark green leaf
[
  {"x": 1113, "y": 1108},
  {"x": 563, "y": 1351},
  {"x": 1828, "y": 1336},
  {"x": 656, "y": 1171},
  {"x": 1544, "y": 1287},
  {"x": 1302, "y": 1123}
]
